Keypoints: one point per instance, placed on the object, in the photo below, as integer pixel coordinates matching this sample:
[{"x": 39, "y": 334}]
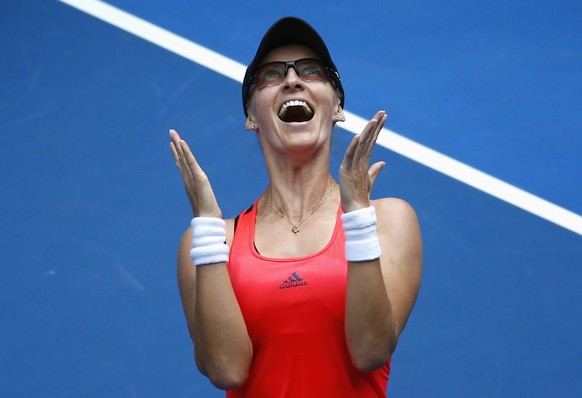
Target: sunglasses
[{"x": 308, "y": 70}]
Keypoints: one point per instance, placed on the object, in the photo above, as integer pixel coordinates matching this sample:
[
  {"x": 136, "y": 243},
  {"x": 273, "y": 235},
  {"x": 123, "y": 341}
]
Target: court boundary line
[{"x": 354, "y": 124}]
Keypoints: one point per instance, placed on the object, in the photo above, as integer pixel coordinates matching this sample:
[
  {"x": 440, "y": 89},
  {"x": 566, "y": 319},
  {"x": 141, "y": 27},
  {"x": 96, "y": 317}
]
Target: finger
[
  {"x": 185, "y": 160},
  {"x": 374, "y": 136},
  {"x": 176, "y": 156},
  {"x": 370, "y": 135},
  {"x": 175, "y": 137},
  {"x": 375, "y": 170},
  {"x": 189, "y": 158},
  {"x": 176, "y": 148},
  {"x": 372, "y": 125},
  {"x": 350, "y": 152},
  {"x": 363, "y": 144}
]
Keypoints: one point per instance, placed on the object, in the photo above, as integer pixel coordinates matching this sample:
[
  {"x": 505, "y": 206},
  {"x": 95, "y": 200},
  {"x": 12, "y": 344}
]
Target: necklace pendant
[{"x": 295, "y": 229}]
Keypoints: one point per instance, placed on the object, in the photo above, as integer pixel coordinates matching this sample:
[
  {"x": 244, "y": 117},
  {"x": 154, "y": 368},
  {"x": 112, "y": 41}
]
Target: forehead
[{"x": 289, "y": 53}]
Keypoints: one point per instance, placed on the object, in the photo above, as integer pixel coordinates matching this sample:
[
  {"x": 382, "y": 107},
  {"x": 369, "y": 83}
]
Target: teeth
[{"x": 294, "y": 103}]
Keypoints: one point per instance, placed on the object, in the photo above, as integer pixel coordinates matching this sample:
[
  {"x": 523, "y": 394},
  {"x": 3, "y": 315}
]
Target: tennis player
[{"x": 306, "y": 292}]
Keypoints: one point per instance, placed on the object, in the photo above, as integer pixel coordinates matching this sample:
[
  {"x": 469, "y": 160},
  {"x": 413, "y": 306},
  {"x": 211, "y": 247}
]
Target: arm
[
  {"x": 381, "y": 292},
  {"x": 223, "y": 349}
]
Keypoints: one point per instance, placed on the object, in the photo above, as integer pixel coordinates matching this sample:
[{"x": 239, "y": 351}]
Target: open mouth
[{"x": 295, "y": 111}]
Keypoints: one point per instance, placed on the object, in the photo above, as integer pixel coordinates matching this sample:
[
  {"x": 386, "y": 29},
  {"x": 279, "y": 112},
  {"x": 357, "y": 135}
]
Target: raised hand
[
  {"x": 196, "y": 183},
  {"x": 356, "y": 175}
]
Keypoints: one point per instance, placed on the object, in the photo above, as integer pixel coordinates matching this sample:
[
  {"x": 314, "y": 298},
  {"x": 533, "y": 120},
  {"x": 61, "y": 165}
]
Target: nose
[{"x": 292, "y": 79}]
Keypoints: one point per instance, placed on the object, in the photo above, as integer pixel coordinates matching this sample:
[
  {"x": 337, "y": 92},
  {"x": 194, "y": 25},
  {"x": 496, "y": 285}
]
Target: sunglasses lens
[
  {"x": 310, "y": 70},
  {"x": 271, "y": 74}
]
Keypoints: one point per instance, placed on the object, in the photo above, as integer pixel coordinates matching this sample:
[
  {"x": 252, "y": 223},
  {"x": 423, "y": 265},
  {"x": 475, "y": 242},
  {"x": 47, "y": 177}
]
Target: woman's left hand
[{"x": 356, "y": 176}]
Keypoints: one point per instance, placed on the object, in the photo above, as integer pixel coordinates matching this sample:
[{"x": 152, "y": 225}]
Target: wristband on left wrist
[{"x": 362, "y": 243}]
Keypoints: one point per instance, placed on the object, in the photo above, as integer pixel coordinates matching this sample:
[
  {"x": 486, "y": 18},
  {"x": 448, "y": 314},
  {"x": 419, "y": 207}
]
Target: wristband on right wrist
[{"x": 362, "y": 242}]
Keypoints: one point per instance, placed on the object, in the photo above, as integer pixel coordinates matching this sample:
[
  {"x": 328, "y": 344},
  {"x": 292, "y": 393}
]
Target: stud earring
[{"x": 252, "y": 126}]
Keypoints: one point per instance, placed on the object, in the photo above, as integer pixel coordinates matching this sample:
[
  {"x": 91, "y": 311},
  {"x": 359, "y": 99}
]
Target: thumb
[{"x": 374, "y": 170}]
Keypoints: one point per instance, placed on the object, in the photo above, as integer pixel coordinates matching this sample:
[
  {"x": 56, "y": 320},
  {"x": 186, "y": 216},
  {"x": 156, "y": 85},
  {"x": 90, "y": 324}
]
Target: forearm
[
  {"x": 370, "y": 329},
  {"x": 223, "y": 346}
]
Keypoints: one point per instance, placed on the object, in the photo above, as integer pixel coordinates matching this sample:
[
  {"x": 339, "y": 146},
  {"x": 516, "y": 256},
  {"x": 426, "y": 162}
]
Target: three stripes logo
[{"x": 294, "y": 280}]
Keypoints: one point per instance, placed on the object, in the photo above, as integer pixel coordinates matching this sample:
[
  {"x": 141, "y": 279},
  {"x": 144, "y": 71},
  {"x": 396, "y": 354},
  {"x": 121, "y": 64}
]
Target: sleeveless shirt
[{"x": 294, "y": 310}]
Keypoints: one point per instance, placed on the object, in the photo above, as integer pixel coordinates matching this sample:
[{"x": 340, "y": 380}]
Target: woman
[{"x": 306, "y": 293}]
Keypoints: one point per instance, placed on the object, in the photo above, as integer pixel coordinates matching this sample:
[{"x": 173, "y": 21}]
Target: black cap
[{"x": 286, "y": 31}]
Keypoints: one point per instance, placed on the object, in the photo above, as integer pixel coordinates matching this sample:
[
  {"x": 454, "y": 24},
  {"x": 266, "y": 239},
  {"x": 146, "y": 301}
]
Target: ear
[
  {"x": 338, "y": 115},
  {"x": 250, "y": 125}
]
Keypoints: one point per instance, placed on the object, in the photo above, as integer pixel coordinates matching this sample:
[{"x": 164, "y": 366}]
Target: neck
[
  {"x": 299, "y": 195},
  {"x": 299, "y": 178}
]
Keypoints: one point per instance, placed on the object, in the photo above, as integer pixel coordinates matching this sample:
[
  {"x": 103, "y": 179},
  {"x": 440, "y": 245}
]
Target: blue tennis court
[{"x": 484, "y": 140}]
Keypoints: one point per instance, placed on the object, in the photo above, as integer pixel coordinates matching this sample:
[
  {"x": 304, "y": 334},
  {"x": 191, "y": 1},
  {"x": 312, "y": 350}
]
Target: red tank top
[{"x": 294, "y": 312}]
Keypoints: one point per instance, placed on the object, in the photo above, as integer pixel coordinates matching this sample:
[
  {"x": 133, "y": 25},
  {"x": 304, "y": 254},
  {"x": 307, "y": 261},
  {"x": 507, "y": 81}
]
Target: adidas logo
[{"x": 294, "y": 280}]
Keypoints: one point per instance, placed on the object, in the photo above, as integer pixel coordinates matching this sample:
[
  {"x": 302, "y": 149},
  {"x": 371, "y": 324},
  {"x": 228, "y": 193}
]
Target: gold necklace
[{"x": 296, "y": 227}]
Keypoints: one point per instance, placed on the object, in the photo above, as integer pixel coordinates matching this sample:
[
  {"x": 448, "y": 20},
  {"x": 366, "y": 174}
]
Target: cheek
[
  {"x": 328, "y": 102},
  {"x": 329, "y": 95},
  {"x": 258, "y": 107}
]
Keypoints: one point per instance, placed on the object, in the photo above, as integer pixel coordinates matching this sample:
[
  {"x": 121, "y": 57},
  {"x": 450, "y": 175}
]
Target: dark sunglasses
[{"x": 308, "y": 70}]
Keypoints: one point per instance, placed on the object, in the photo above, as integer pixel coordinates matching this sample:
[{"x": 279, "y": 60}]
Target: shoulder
[
  {"x": 394, "y": 212},
  {"x": 398, "y": 226}
]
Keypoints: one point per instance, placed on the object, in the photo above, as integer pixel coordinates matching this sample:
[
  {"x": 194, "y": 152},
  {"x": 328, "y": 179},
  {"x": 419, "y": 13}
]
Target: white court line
[{"x": 354, "y": 124}]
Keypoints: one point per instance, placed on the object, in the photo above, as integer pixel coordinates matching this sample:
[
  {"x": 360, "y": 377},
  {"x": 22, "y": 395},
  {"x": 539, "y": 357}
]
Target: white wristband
[
  {"x": 208, "y": 241},
  {"x": 362, "y": 242}
]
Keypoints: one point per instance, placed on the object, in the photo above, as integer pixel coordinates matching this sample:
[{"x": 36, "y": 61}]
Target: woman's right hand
[{"x": 196, "y": 183}]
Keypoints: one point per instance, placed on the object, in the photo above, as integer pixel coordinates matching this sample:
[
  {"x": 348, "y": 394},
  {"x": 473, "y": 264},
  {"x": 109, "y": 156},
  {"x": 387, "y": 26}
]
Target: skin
[{"x": 380, "y": 293}]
